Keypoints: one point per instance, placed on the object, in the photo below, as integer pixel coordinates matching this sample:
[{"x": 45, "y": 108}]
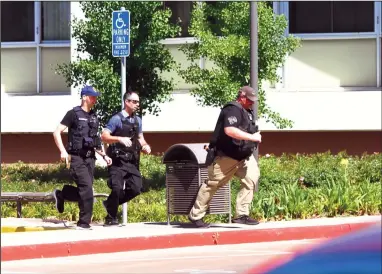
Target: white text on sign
[
  {"x": 120, "y": 32},
  {"x": 120, "y": 39},
  {"x": 124, "y": 46}
]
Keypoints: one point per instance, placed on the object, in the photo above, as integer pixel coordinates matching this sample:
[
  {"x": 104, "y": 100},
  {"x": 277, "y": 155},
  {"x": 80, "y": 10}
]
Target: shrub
[{"x": 291, "y": 187}]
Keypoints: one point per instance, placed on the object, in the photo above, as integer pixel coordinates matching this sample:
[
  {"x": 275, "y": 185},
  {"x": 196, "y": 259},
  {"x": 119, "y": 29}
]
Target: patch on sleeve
[{"x": 232, "y": 120}]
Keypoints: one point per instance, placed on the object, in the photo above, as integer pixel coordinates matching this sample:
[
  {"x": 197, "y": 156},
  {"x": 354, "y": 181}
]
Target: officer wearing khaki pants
[{"x": 230, "y": 153}]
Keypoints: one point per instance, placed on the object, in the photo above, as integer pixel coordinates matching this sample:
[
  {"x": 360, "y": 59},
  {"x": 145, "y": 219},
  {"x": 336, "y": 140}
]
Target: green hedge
[{"x": 291, "y": 187}]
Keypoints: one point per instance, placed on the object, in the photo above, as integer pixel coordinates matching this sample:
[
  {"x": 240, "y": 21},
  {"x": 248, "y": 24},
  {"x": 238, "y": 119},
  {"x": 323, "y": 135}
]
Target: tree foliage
[
  {"x": 222, "y": 30},
  {"x": 150, "y": 23}
]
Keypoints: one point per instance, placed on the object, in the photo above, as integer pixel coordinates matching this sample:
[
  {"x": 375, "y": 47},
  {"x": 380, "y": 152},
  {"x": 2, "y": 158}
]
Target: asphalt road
[{"x": 193, "y": 260}]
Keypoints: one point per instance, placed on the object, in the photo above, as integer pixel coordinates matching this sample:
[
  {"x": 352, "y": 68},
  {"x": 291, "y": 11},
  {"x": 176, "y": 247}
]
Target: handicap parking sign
[{"x": 121, "y": 33}]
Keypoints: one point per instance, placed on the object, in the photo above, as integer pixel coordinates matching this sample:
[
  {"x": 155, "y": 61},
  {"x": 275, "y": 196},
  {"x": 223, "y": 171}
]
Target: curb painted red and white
[{"x": 75, "y": 248}]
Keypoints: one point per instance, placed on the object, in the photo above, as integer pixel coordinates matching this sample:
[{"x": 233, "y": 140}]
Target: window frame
[
  {"x": 38, "y": 43},
  {"x": 282, "y": 8}
]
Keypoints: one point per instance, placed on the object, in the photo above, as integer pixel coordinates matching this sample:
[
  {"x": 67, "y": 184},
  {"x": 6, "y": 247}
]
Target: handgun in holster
[{"x": 211, "y": 154}]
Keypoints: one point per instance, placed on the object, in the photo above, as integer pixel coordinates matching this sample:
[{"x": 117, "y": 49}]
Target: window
[
  {"x": 181, "y": 10},
  {"x": 331, "y": 17},
  {"x": 35, "y": 37},
  {"x": 55, "y": 21},
  {"x": 17, "y": 21}
]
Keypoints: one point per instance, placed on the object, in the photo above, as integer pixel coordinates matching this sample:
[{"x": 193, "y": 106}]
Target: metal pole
[
  {"x": 254, "y": 60},
  {"x": 123, "y": 90},
  {"x": 123, "y": 80}
]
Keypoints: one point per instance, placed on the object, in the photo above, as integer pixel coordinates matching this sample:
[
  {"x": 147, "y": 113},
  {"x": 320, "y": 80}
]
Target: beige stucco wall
[
  {"x": 181, "y": 59},
  {"x": 50, "y": 58},
  {"x": 332, "y": 63},
  {"x": 19, "y": 70}
]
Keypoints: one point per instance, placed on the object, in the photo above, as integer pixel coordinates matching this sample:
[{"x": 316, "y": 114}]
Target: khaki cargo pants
[{"x": 219, "y": 174}]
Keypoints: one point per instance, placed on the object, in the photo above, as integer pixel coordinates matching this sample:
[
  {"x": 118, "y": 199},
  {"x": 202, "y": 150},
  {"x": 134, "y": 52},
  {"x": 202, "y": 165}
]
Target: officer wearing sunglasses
[{"x": 123, "y": 133}]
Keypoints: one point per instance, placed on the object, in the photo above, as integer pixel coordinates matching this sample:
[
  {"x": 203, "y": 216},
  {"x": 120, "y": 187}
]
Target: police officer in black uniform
[
  {"x": 124, "y": 135},
  {"x": 83, "y": 143},
  {"x": 230, "y": 153}
]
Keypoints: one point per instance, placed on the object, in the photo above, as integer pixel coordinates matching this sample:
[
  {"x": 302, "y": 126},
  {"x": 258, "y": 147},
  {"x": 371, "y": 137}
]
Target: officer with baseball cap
[
  {"x": 83, "y": 143},
  {"x": 89, "y": 91},
  {"x": 230, "y": 153},
  {"x": 248, "y": 92}
]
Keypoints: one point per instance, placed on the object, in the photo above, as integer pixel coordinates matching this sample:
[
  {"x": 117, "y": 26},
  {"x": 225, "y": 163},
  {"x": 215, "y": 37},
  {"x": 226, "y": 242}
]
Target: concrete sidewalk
[{"x": 60, "y": 241}]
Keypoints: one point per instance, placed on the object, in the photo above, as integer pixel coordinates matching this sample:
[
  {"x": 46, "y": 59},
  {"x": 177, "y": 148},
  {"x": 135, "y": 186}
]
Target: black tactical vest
[
  {"x": 84, "y": 134},
  {"x": 129, "y": 129},
  {"x": 237, "y": 149}
]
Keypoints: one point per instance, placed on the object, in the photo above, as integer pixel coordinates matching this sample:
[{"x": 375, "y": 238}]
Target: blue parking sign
[{"x": 121, "y": 33}]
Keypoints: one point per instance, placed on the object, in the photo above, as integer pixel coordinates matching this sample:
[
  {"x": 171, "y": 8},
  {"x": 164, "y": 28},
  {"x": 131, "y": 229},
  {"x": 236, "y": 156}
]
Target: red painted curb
[{"x": 51, "y": 250}]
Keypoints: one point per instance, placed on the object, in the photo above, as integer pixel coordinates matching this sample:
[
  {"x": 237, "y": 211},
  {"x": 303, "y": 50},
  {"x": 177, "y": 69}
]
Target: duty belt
[
  {"x": 83, "y": 153},
  {"x": 126, "y": 156}
]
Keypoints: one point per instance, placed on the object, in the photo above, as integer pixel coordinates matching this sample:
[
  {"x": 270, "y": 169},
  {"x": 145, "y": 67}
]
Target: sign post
[
  {"x": 121, "y": 48},
  {"x": 254, "y": 65}
]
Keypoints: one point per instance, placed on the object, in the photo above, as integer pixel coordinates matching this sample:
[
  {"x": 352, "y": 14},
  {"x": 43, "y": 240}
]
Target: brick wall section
[{"x": 40, "y": 148}]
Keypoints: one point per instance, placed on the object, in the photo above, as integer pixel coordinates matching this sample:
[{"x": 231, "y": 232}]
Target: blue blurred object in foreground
[{"x": 354, "y": 253}]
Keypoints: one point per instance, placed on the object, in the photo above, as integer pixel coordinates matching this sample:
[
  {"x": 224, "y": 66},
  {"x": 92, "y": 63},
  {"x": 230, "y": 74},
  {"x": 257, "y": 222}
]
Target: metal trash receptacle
[{"x": 185, "y": 172}]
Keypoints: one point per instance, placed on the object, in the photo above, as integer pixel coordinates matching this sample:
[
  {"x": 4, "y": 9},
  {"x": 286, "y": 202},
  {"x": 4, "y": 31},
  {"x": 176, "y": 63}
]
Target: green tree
[
  {"x": 223, "y": 33},
  {"x": 150, "y": 23}
]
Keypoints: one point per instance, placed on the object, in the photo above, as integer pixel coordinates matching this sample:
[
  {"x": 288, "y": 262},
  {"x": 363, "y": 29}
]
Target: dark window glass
[
  {"x": 17, "y": 21},
  {"x": 331, "y": 17},
  {"x": 55, "y": 20},
  {"x": 181, "y": 10}
]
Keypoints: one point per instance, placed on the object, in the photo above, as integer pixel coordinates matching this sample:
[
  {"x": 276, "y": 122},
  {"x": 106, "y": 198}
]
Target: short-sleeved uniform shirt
[
  {"x": 231, "y": 116},
  {"x": 115, "y": 122},
  {"x": 70, "y": 117}
]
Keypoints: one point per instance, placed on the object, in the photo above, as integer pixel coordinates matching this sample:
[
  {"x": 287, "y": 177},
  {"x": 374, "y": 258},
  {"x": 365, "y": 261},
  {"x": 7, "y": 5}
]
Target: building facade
[{"x": 330, "y": 87}]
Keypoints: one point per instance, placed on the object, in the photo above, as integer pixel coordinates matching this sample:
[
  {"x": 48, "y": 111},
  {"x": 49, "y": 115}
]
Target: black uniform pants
[
  {"x": 82, "y": 172},
  {"x": 121, "y": 172}
]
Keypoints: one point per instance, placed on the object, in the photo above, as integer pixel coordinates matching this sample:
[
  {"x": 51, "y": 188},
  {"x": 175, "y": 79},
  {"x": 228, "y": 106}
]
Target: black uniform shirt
[
  {"x": 231, "y": 116},
  {"x": 70, "y": 117}
]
